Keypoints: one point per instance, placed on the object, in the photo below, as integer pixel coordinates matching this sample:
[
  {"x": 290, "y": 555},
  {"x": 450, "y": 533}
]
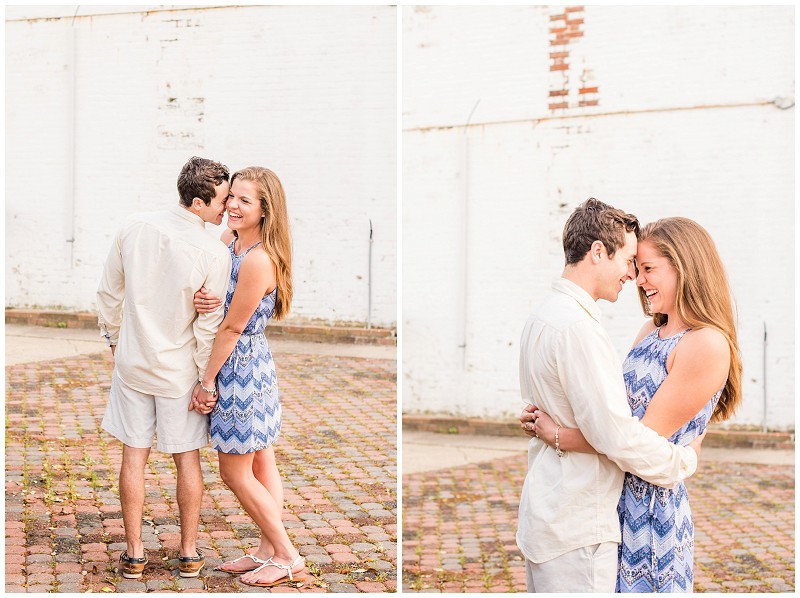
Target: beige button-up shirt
[
  {"x": 570, "y": 369},
  {"x": 144, "y": 301}
]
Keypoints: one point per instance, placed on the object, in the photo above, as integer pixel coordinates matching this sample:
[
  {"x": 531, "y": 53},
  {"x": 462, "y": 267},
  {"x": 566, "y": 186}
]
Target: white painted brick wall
[
  {"x": 683, "y": 127},
  {"x": 309, "y": 92}
]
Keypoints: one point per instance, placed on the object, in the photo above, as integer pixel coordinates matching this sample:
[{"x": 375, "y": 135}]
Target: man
[
  {"x": 568, "y": 524},
  {"x": 161, "y": 347}
]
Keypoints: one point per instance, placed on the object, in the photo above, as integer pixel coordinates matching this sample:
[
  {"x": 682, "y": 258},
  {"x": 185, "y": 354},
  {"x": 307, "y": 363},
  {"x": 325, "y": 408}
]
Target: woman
[
  {"x": 246, "y": 419},
  {"x": 683, "y": 372}
]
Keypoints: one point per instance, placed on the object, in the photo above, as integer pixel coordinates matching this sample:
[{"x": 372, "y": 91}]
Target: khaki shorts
[
  {"x": 588, "y": 569},
  {"x": 134, "y": 417}
]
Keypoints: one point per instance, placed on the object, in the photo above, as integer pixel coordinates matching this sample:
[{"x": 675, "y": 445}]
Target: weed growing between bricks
[{"x": 336, "y": 454}]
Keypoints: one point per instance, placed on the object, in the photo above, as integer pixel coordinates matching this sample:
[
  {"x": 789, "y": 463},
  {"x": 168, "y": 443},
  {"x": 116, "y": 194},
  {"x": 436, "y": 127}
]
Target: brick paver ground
[
  {"x": 337, "y": 456},
  {"x": 459, "y": 526}
]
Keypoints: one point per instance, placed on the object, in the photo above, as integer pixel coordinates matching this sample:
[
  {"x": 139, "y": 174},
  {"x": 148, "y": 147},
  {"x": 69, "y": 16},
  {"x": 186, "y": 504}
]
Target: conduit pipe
[
  {"x": 764, "y": 367},
  {"x": 71, "y": 145},
  {"x": 369, "y": 280},
  {"x": 464, "y": 262}
]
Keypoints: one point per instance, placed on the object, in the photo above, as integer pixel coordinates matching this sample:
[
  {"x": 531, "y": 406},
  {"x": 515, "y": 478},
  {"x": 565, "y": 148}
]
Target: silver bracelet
[
  {"x": 559, "y": 452},
  {"x": 213, "y": 389}
]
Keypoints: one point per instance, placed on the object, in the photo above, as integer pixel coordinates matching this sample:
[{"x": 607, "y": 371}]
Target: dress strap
[
  {"x": 245, "y": 252},
  {"x": 679, "y": 336},
  {"x": 675, "y": 337},
  {"x": 251, "y": 247}
]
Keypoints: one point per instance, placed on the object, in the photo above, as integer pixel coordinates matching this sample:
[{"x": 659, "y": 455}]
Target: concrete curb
[
  {"x": 716, "y": 437},
  {"x": 291, "y": 331}
]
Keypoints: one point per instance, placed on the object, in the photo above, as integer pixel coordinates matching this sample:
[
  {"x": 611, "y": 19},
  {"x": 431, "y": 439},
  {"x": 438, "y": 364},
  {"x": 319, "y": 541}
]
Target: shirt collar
[
  {"x": 584, "y": 299},
  {"x": 187, "y": 215}
]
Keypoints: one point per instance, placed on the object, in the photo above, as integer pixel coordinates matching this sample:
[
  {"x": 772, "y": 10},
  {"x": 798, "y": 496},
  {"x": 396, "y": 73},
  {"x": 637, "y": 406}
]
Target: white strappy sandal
[
  {"x": 289, "y": 576},
  {"x": 259, "y": 563}
]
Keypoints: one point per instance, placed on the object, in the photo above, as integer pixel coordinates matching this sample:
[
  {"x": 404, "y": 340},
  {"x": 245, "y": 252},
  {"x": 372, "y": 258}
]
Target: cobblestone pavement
[
  {"x": 459, "y": 528},
  {"x": 337, "y": 456}
]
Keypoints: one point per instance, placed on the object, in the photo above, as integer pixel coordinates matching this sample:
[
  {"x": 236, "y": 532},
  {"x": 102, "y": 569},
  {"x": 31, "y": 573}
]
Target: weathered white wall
[
  {"x": 307, "y": 91},
  {"x": 691, "y": 119}
]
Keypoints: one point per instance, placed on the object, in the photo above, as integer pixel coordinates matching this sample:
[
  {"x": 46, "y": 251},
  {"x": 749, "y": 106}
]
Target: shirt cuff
[{"x": 112, "y": 339}]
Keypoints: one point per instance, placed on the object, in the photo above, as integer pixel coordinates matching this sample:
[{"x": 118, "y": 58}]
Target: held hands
[
  {"x": 536, "y": 423},
  {"x": 526, "y": 421},
  {"x": 205, "y": 302},
  {"x": 202, "y": 402}
]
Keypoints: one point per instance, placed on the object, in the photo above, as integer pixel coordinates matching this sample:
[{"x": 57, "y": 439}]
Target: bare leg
[
  {"x": 266, "y": 472},
  {"x": 190, "y": 496},
  {"x": 131, "y": 496},
  {"x": 237, "y": 473}
]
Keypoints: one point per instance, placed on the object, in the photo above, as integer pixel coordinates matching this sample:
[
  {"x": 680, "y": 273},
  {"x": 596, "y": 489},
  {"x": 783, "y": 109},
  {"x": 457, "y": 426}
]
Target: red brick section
[
  {"x": 336, "y": 453},
  {"x": 716, "y": 437},
  {"x": 566, "y": 27},
  {"x": 290, "y": 330},
  {"x": 459, "y": 528}
]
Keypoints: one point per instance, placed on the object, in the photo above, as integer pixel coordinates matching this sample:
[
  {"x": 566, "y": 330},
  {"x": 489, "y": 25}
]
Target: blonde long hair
[
  {"x": 703, "y": 294},
  {"x": 275, "y": 235}
]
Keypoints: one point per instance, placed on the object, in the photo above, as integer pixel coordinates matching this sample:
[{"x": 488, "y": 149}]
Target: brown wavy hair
[
  {"x": 198, "y": 178},
  {"x": 703, "y": 294},
  {"x": 593, "y": 221},
  {"x": 275, "y": 235}
]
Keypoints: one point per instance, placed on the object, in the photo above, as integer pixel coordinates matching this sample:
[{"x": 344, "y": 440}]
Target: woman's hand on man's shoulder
[{"x": 227, "y": 236}]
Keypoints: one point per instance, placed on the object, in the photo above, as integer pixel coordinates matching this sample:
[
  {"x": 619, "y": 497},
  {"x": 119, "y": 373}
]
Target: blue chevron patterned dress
[
  {"x": 657, "y": 549},
  {"x": 247, "y": 416}
]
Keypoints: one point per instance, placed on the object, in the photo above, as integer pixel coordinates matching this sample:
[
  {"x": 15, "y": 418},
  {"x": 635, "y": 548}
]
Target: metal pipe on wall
[
  {"x": 369, "y": 280},
  {"x": 764, "y": 381},
  {"x": 71, "y": 145},
  {"x": 464, "y": 265}
]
